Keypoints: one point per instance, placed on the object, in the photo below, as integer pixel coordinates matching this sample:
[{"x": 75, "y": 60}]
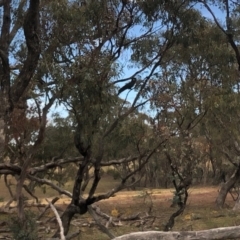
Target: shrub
[{"x": 24, "y": 230}]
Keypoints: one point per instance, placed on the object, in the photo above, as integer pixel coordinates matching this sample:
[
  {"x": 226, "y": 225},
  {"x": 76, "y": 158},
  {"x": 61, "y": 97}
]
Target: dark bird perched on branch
[{"x": 129, "y": 86}]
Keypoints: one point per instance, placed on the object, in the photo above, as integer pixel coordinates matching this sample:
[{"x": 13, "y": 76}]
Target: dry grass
[
  {"x": 199, "y": 214},
  {"x": 46, "y": 191}
]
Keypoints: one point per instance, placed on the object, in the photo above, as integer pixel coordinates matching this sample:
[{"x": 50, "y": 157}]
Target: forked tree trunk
[
  {"x": 226, "y": 187},
  {"x": 66, "y": 219},
  {"x": 67, "y": 216}
]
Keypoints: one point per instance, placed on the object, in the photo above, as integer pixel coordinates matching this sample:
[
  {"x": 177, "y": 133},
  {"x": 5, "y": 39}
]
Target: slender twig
[{"x": 47, "y": 207}]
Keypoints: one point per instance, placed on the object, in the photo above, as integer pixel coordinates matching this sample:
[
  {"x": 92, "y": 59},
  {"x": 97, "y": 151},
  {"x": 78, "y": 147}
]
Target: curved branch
[
  {"x": 54, "y": 164},
  {"x": 119, "y": 161},
  {"x": 51, "y": 184},
  {"x": 102, "y": 227},
  {"x": 58, "y": 219},
  {"x": 90, "y": 200},
  {"x": 31, "y": 32},
  {"x": 12, "y": 169},
  {"x": 227, "y": 32}
]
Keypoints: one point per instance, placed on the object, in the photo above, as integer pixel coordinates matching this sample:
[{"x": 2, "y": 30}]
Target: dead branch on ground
[{"x": 58, "y": 219}]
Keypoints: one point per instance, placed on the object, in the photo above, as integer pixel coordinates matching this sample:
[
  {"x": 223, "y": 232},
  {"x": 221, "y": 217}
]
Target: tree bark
[
  {"x": 225, "y": 187},
  {"x": 237, "y": 203},
  {"x": 215, "y": 233},
  {"x": 68, "y": 214},
  {"x": 2, "y": 138},
  {"x": 66, "y": 219}
]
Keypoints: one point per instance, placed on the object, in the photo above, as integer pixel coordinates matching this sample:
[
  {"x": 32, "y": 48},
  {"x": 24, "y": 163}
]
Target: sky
[{"x": 218, "y": 13}]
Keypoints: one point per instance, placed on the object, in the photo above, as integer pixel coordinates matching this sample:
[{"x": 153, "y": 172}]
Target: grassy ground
[
  {"x": 105, "y": 184},
  {"x": 199, "y": 214}
]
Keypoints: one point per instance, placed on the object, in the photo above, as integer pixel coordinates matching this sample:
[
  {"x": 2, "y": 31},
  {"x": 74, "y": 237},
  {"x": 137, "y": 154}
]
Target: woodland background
[{"x": 141, "y": 92}]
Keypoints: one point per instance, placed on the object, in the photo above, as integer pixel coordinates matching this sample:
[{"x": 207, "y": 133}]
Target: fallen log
[{"x": 222, "y": 233}]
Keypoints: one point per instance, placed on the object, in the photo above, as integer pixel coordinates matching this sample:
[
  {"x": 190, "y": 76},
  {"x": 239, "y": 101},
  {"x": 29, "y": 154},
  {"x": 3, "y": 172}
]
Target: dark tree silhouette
[{"x": 129, "y": 86}]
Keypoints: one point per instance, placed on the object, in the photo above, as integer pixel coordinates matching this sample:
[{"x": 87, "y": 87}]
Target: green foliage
[
  {"x": 58, "y": 141},
  {"x": 24, "y": 230},
  {"x": 185, "y": 70}
]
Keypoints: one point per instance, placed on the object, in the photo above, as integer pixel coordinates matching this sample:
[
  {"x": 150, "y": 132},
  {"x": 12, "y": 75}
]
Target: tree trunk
[
  {"x": 237, "y": 203},
  {"x": 68, "y": 214},
  {"x": 66, "y": 219},
  {"x": 225, "y": 187},
  {"x": 2, "y": 139},
  {"x": 215, "y": 233}
]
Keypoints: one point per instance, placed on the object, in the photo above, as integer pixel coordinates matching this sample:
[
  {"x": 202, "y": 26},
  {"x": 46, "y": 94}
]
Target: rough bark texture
[
  {"x": 1, "y": 138},
  {"x": 181, "y": 192},
  {"x": 225, "y": 188},
  {"x": 68, "y": 215},
  {"x": 237, "y": 204},
  {"x": 66, "y": 219},
  {"x": 31, "y": 31},
  {"x": 216, "y": 233},
  {"x": 5, "y": 95}
]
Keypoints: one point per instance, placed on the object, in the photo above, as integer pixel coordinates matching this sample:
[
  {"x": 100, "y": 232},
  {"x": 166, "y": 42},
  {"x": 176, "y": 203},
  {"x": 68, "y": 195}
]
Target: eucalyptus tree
[
  {"x": 75, "y": 55},
  {"x": 16, "y": 82},
  {"x": 183, "y": 95},
  {"x": 90, "y": 93},
  {"x": 226, "y": 105},
  {"x": 188, "y": 98}
]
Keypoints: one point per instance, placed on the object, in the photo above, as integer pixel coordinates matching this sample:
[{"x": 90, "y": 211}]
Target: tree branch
[
  {"x": 54, "y": 164},
  {"x": 47, "y": 207},
  {"x": 13, "y": 169},
  {"x": 51, "y": 184},
  {"x": 58, "y": 219},
  {"x": 121, "y": 186},
  {"x": 28, "y": 160},
  {"x": 31, "y": 32},
  {"x": 29, "y": 192},
  {"x": 227, "y": 32},
  {"x": 102, "y": 227},
  {"x": 119, "y": 161},
  {"x": 18, "y": 22}
]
